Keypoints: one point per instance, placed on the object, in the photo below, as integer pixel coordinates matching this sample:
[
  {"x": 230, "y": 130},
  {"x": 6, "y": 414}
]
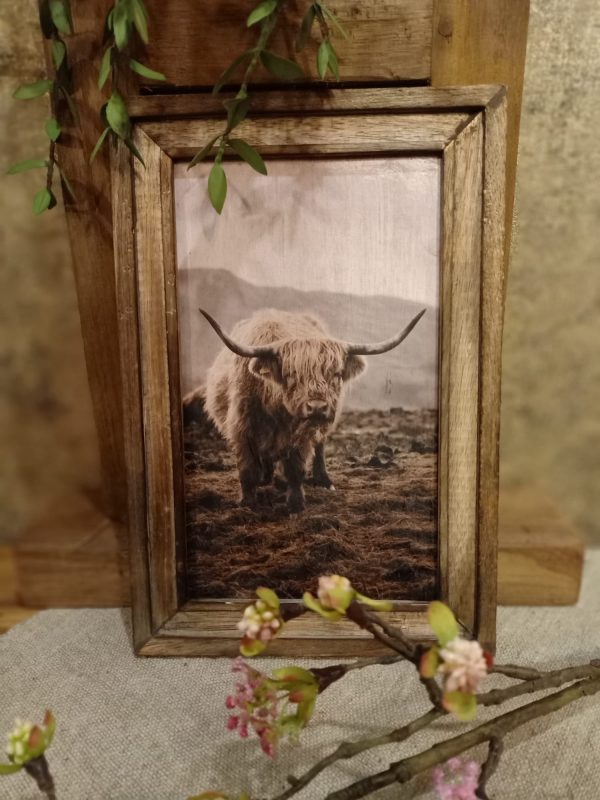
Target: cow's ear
[
  {"x": 353, "y": 367},
  {"x": 267, "y": 368}
]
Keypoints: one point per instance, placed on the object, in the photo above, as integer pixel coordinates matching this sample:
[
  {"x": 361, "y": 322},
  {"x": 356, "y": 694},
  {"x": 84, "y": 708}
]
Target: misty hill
[{"x": 406, "y": 376}]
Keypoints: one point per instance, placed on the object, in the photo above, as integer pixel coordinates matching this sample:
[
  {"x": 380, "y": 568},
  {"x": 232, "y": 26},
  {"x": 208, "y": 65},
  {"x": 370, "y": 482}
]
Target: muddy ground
[{"x": 379, "y": 528}]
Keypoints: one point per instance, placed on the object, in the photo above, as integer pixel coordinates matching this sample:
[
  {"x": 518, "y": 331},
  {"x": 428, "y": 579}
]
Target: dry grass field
[{"x": 379, "y": 527}]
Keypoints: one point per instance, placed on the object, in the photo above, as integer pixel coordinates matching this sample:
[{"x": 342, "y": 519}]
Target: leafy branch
[
  {"x": 125, "y": 17},
  {"x": 55, "y": 22},
  {"x": 266, "y": 16}
]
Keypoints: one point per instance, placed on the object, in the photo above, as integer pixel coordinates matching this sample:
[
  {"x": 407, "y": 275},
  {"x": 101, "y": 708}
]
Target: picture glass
[{"x": 307, "y": 456}]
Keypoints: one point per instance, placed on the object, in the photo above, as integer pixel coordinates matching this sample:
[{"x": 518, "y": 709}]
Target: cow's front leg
[
  {"x": 250, "y": 473},
  {"x": 319, "y": 470},
  {"x": 295, "y": 472}
]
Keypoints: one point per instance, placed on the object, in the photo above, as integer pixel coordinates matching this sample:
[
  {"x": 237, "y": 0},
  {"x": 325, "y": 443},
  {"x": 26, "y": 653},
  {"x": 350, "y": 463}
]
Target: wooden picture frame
[{"x": 466, "y": 128}]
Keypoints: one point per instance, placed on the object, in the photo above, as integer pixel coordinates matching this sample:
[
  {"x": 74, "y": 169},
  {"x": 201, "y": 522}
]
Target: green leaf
[
  {"x": 268, "y": 596},
  {"x": 377, "y": 605},
  {"x": 60, "y": 16},
  {"x": 313, "y": 604},
  {"x": 430, "y": 661},
  {"x": 25, "y": 166},
  {"x": 201, "y": 154},
  {"x": 237, "y": 110},
  {"x": 442, "y": 622},
  {"x": 135, "y": 151},
  {"x": 227, "y": 74},
  {"x": 217, "y": 191},
  {"x": 52, "y": 129},
  {"x": 249, "y": 154},
  {"x": 59, "y": 51},
  {"x": 294, "y": 674},
  {"x": 117, "y": 115},
  {"x": 281, "y": 68},
  {"x": 31, "y": 90},
  {"x": 105, "y": 66},
  {"x": 333, "y": 62},
  {"x": 43, "y": 200},
  {"x": 8, "y": 769},
  {"x": 462, "y": 704},
  {"x": 140, "y": 19},
  {"x": 67, "y": 185},
  {"x": 261, "y": 11},
  {"x": 120, "y": 25},
  {"x": 323, "y": 58},
  {"x": 333, "y": 18},
  {"x": 305, "y": 28},
  {"x": 99, "y": 143},
  {"x": 146, "y": 72}
]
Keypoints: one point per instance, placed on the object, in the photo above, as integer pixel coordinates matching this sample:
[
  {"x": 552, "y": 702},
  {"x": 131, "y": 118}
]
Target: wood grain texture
[
  {"x": 462, "y": 533},
  {"x": 540, "y": 559},
  {"x": 463, "y": 206},
  {"x": 481, "y": 42},
  {"x": 193, "y": 45},
  {"x": 129, "y": 344},
  {"x": 150, "y": 221},
  {"x": 89, "y": 224},
  {"x": 318, "y": 100},
  {"x": 490, "y": 357},
  {"x": 335, "y": 135}
]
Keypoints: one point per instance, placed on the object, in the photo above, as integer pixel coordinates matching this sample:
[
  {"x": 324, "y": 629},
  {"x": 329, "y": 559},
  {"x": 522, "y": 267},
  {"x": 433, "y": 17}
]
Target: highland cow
[{"x": 275, "y": 392}]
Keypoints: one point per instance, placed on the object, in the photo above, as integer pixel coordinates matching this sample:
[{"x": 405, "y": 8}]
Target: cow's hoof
[
  {"x": 295, "y": 505},
  {"x": 332, "y": 488},
  {"x": 249, "y": 502}
]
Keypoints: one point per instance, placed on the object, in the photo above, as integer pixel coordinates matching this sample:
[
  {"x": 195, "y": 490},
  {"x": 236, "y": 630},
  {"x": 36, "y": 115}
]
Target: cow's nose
[{"x": 316, "y": 407}]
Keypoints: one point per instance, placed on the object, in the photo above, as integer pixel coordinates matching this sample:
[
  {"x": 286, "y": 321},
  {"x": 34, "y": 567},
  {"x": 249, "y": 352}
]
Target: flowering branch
[{"x": 450, "y": 671}]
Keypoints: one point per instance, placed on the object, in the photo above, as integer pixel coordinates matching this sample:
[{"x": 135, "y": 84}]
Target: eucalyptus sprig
[
  {"x": 125, "y": 17},
  {"x": 55, "y": 22},
  {"x": 266, "y": 16}
]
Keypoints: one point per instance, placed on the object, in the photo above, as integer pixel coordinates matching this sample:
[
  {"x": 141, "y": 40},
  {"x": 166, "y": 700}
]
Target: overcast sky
[{"x": 365, "y": 227}]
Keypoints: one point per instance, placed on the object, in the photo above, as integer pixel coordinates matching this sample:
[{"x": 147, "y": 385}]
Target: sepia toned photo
[{"x": 309, "y": 370}]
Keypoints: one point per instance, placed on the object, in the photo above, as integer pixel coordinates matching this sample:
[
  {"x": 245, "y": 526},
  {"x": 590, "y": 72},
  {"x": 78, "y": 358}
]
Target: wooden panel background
[
  {"x": 444, "y": 42},
  {"x": 192, "y": 43}
]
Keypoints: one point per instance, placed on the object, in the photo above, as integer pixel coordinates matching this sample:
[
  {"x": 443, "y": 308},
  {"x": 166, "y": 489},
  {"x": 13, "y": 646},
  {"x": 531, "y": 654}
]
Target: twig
[
  {"x": 404, "y": 770},
  {"x": 491, "y": 763},
  {"x": 350, "y": 749},
  {"x": 542, "y": 681}
]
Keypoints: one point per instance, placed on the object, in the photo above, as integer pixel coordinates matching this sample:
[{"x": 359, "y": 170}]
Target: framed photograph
[{"x": 311, "y": 379}]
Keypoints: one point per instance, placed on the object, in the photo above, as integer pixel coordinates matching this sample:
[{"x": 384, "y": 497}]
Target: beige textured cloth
[{"x": 133, "y": 728}]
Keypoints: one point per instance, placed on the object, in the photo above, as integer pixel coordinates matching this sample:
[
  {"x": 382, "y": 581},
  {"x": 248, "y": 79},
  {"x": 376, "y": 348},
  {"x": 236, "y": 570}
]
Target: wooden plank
[
  {"x": 8, "y": 575},
  {"x": 126, "y": 298},
  {"x": 462, "y": 354},
  {"x": 149, "y": 194},
  {"x": 69, "y": 557},
  {"x": 484, "y": 42},
  {"x": 320, "y": 100},
  {"x": 316, "y": 135},
  {"x": 490, "y": 359},
  {"x": 194, "y": 44},
  {"x": 89, "y": 224},
  {"x": 540, "y": 559}
]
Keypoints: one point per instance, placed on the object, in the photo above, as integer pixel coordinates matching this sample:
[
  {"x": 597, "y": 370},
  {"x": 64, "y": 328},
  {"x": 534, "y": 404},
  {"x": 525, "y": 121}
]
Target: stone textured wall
[
  {"x": 551, "y": 408},
  {"x": 551, "y": 420}
]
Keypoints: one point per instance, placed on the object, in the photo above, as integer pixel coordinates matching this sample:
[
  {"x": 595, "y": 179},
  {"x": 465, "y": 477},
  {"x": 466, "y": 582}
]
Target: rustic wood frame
[{"x": 466, "y": 127}]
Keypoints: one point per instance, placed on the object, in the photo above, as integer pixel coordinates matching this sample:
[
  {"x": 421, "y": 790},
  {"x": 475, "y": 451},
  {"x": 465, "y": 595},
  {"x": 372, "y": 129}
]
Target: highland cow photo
[{"x": 309, "y": 363}]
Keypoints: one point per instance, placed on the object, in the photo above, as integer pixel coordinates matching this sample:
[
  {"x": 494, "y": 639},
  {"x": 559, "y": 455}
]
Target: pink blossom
[
  {"x": 457, "y": 779},
  {"x": 335, "y": 592},
  {"x": 463, "y": 664},
  {"x": 256, "y": 706},
  {"x": 260, "y": 623}
]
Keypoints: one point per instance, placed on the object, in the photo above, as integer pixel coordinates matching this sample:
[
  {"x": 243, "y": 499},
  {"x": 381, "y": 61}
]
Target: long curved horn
[
  {"x": 246, "y": 351},
  {"x": 388, "y": 344}
]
